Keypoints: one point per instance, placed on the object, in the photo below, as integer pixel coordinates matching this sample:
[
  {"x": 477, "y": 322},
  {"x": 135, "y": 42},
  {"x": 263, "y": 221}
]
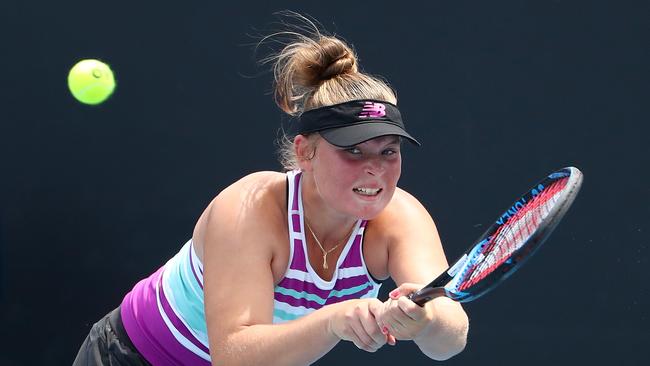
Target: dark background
[{"x": 500, "y": 93}]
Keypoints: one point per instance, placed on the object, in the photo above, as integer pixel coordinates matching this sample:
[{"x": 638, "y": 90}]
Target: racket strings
[{"x": 513, "y": 234}]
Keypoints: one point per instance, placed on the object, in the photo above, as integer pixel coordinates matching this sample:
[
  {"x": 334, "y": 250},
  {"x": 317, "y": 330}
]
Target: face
[{"x": 359, "y": 180}]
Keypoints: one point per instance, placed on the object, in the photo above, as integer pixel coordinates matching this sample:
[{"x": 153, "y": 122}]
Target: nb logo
[{"x": 372, "y": 110}]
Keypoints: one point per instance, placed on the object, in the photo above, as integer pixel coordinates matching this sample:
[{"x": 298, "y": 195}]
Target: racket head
[{"x": 506, "y": 245}]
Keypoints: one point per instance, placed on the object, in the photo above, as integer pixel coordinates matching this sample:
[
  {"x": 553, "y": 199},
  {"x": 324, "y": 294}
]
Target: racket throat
[{"x": 427, "y": 294}]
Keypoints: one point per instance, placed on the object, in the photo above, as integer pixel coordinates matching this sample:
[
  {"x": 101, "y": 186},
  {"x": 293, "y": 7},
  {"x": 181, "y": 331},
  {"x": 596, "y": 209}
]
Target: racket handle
[
  {"x": 435, "y": 288},
  {"x": 426, "y": 294}
]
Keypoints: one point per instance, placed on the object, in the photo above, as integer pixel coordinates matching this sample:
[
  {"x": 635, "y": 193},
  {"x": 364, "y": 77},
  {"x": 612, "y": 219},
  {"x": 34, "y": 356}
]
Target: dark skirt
[{"x": 109, "y": 344}]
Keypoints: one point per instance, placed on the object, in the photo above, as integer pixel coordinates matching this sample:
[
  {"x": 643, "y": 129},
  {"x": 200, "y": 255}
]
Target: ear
[{"x": 304, "y": 150}]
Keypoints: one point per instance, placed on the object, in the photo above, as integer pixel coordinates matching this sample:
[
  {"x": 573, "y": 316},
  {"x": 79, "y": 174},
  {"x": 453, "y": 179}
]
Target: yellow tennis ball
[{"x": 91, "y": 81}]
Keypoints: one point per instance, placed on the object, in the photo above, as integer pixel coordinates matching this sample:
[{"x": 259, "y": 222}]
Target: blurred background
[{"x": 92, "y": 199}]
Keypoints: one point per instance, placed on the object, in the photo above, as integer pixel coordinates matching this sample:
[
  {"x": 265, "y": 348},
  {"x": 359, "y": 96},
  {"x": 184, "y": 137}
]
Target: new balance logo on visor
[{"x": 373, "y": 110}]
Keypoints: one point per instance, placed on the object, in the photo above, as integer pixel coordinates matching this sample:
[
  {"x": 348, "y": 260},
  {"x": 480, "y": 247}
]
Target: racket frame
[{"x": 439, "y": 286}]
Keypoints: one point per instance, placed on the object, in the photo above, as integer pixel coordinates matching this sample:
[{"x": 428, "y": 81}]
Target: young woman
[{"x": 283, "y": 266}]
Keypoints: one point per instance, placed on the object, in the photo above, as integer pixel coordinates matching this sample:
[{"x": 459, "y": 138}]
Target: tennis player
[{"x": 283, "y": 266}]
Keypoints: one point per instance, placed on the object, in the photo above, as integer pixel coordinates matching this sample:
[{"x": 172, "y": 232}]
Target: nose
[{"x": 374, "y": 166}]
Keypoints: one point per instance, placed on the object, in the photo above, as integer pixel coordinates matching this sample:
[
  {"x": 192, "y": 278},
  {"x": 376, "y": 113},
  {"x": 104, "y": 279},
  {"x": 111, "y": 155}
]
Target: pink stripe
[
  {"x": 298, "y": 262},
  {"x": 148, "y": 331},
  {"x": 300, "y": 286},
  {"x": 295, "y": 220},
  {"x": 353, "y": 258},
  {"x": 292, "y": 301},
  {"x": 296, "y": 185},
  {"x": 193, "y": 271},
  {"x": 176, "y": 321}
]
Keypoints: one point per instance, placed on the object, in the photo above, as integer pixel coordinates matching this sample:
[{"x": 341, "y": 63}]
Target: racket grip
[{"x": 425, "y": 295}]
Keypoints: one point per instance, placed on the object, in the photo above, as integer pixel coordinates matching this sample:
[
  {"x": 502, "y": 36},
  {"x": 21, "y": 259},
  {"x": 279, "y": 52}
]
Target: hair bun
[
  {"x": 336, "y": 59},
  {"x": 314, "y": 69}
]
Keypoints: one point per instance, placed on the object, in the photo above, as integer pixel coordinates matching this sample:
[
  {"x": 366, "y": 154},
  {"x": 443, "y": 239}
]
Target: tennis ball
[{"x": 91, "y": 81}]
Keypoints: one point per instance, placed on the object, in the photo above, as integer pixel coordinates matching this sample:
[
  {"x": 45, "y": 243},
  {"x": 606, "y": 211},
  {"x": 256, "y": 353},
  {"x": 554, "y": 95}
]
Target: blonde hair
[{"x": 315, "y": 70}]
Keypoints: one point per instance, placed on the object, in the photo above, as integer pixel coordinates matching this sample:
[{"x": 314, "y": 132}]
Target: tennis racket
[{"x": 505, "y": 246}]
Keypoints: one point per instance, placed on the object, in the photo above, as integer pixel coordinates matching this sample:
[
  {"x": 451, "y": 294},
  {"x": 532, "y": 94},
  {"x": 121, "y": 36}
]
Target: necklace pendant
[{"x": 325, "y": 266}]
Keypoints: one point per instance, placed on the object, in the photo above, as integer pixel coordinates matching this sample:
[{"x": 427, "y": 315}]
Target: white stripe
[
  {"x": 372, "y": 293},
  {"x": 277, "y": 320},
  {"x": 179, "y": 337},
  {"x": 189, "y": 277},
  {"x": 198, "y": 266},
  {"x": 295, "y": 274},
  {"x": 300, "y": 310},
  {"x": 343, "y": 273},
  {"x": 169, "y": 294},
  {"x": 352, "y": 272},
  {"x": 293, "y": 236},
  {"x": 180, "y": 263}
]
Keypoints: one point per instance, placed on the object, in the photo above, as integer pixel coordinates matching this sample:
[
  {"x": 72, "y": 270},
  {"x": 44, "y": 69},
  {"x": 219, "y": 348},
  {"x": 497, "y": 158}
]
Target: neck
[{"x": 331, "y": 227}]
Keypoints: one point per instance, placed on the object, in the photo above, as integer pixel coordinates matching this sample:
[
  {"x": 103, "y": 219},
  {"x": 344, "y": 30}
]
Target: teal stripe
[
  {"x": 187, "y": 295},
  {"x": 315, "y": 298},
  {"x": 299, "y": 295},
  {"x": 284, "y": 315},
  {"x": 372, "y": 293},
  {"x": 350, "y": 290}
]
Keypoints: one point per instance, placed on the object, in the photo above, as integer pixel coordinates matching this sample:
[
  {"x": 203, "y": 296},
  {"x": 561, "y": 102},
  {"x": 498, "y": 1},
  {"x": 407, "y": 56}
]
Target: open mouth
[{"x": 367, "y": 191}]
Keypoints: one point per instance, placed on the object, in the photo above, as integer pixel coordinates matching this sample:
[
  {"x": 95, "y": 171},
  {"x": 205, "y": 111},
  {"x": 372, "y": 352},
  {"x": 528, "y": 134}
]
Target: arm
[
  {"x": 238, "y": 288},
  {"x": 415, "y": 258}
]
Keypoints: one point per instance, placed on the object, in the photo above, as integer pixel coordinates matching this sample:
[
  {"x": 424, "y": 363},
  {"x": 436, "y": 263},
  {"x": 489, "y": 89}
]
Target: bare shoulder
[
  {"x": 403, "y": 222},
  {"x": 241, "y": 235},
  {"x": 415, "y": 253},
  {"x": 251, "y": 204},
  {"x": 259, "y": 187},
  {"x": 403, "y": 211}
]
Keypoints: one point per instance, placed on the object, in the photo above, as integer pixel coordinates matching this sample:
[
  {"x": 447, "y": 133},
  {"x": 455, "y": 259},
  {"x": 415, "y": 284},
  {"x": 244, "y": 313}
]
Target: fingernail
[
  {"x": 384, "y": 330},
  {"x": 394, "y": 293}
]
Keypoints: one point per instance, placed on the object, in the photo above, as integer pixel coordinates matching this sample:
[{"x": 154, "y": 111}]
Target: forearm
[
  {"x": 299, "y": 342},
  {"x": 446, "y": 336}
]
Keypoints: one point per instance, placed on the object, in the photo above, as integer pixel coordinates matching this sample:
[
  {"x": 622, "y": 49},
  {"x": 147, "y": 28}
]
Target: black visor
[{"x": 351, "y": 123}]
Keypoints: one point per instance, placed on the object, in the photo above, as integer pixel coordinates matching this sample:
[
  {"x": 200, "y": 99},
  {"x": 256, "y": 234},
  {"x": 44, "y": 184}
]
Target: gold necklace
[{"x": 326, "y": 252}]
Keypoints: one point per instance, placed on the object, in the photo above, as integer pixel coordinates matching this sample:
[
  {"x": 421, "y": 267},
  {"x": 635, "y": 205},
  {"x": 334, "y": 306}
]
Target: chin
[{"x": 369, "y": 212}]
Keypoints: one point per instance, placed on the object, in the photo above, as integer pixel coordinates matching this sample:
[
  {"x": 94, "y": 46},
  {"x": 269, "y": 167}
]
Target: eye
[
  {"x": 353, "y": 150},
  {"x": 389, "y": 152}
]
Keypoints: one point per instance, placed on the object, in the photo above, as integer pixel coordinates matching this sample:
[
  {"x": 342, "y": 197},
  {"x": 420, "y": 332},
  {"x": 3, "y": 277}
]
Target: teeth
[{"x": 367, "y": 191}]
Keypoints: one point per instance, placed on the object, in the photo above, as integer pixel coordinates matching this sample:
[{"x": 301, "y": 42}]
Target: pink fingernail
[
  {"x": 384, "y": 330},
  {"x": 394, "y": 293}
]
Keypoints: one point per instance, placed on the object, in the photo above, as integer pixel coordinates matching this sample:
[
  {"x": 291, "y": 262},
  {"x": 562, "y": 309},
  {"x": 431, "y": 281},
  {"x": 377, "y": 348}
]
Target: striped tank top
[
  {"x": 302, "y": 290},
  {"x": 164, "y": 314}
]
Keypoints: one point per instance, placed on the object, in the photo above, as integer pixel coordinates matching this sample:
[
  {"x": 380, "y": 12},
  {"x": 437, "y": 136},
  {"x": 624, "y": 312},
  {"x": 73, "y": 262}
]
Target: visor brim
[{"x": 355, "y": 134}]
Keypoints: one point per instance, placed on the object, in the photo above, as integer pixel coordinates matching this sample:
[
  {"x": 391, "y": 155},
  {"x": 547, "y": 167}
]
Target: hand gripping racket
[{"x": 505, "y": 246}]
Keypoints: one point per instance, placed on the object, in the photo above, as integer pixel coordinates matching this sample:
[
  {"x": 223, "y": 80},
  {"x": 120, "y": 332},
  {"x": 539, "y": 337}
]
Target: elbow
[
  {"x": 220, "y": 358},
  {"x": 453, "y": 348},
  {"x": 458, "y": 339},
  {"x": 232, "y": 358},
  {"x": 228, "y": 354},
  {"x": 452, "y": 342}
]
